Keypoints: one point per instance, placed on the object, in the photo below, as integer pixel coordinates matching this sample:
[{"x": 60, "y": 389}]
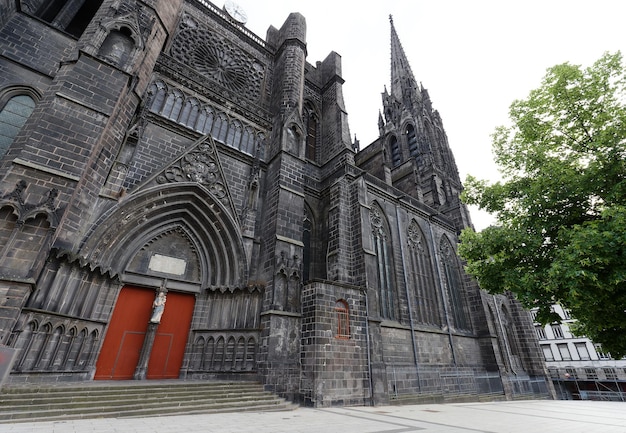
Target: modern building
[
  {"x": 181, "y": 198},
  {"x": 579, "y": 368}
]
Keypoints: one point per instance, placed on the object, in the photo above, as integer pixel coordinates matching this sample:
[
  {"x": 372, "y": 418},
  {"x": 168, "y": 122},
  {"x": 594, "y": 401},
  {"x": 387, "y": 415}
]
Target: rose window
[{"x": 219, "y": 65}]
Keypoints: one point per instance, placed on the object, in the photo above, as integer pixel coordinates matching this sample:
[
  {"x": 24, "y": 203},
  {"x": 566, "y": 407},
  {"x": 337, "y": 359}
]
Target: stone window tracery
[
  {"x": 421, "y": 277},
  {"x": 217, "y": 59},
  {"x": 383, "y": 250},
  {"x": 454, "y": 285}
]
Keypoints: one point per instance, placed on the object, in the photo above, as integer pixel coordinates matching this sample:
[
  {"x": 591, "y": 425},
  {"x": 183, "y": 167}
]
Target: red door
[
  {"x": 127, "y": 330},
  {"x": 171, "y": 337}
]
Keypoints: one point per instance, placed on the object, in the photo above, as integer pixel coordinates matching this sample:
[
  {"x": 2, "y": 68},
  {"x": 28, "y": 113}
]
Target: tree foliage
[{"x": 560, "y": 235}]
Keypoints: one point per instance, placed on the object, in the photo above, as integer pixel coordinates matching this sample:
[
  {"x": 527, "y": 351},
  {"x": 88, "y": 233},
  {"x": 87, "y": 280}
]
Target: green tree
[{"x": 560, "y": 235}]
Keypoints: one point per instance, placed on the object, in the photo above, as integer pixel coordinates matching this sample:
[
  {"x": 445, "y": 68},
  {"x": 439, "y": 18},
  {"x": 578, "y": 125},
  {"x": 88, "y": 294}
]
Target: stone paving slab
[{"x": 535, "y": 416}]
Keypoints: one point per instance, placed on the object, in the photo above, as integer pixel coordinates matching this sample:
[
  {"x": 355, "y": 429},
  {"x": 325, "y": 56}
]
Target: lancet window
[
  {"x": 311, "y": 124},
  {"x": 384, "y": 262},
  {"x": 411, "y": 139},
  {"x": 421, "y": 278},
  {"x": 71, "y": 16},
  {"x": 396, "y": 155},
  {"x": 454, "y": 285},
  {"x": 343, "y": 319},
  {"x": 16, "y": 110}
]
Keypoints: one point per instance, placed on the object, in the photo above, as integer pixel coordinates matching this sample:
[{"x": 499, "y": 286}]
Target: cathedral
[{"x": 182, "y": 199}]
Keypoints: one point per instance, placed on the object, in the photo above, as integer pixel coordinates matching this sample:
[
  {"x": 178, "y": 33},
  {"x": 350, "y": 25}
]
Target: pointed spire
[{"x": 403, "y": 83}]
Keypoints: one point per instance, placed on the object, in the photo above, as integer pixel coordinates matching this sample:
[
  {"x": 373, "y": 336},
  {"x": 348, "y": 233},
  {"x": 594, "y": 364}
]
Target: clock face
[{"x": 235, "y": 11}]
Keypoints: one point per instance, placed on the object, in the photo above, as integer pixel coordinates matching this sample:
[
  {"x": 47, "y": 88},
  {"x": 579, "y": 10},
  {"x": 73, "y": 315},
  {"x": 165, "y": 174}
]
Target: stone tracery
[{"x": 217, "y": 59}]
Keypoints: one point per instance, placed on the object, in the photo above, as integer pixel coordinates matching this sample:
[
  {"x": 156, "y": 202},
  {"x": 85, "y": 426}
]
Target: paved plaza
[{"x": 536, "y": 416}]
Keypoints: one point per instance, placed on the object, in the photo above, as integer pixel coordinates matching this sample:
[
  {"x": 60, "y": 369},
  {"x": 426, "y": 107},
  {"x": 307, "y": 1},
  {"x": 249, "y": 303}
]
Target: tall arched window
[
  {"x": 49, "y": 10},
  {"x": 13, "y": 114},
  {"x": 509, "y": 332},
  {"x": 454, "y": 285},
  {"x": 498, "y": 332},
  {"x": 311, "y": 125},
  {"x": 343, "y": 319},
  {"x": 71, "y": 16},
  {"x": 421, "y": 277},
  {"x": 306, "y": 240},
  {"x": 384, "y": 262},
  {"x": 411, "y": 139},
  {"x": 396, "y": 156}
]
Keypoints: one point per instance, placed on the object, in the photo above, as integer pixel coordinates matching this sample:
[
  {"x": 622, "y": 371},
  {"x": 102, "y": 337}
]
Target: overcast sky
[{"x": 474, "y": 57}]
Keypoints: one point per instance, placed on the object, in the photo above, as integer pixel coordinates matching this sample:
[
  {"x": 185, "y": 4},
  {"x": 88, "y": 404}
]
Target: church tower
[
  {"x": 412, "y": 155},
  {"x": 417, "y": 152}
]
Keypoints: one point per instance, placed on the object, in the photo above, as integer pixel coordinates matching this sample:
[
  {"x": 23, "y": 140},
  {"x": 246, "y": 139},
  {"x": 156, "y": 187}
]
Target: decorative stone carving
[
  {"x": 25, "y": 210},
  {"x": 247, "y": 103},
  {"x": 287, "y": 283},
  {"x": 217, "y": 59},
  {"x": 122, "y": 34},
  {"x": 198, "y": 165},
  {"x": 16, "y": 194},
  {"x": 415, "y": 237},
  {"x": 221, "y": 66},
  {"x": 376, "y": 220},
  {"x": 30, "y": 6},
  {"x": 447, "y": 253},
  {"x": 145, "y": 22}
]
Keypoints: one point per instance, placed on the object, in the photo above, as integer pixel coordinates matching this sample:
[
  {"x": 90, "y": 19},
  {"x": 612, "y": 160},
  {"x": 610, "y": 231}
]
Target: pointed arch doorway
[
  {"x": 122, "y": 346},
  {"x": 177, "y": 237}
]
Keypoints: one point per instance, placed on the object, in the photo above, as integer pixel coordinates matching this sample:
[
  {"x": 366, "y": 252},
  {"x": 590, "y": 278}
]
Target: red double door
[{"x": 127, "y": 331}]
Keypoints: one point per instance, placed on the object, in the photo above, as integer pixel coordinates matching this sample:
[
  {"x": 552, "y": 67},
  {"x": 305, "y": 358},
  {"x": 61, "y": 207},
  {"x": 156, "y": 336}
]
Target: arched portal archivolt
[{"x": 186, "y": 213}]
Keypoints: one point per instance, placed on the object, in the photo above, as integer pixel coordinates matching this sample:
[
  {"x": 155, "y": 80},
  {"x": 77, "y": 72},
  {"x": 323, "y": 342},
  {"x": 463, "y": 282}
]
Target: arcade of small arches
[
  {"x": 175, "y": 105},
  {"x": 49, "y": 346}
]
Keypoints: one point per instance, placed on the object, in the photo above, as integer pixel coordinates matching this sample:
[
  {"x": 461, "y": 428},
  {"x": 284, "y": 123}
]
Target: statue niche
[
  {"x": 287, "y": 283},
  {"x": 118, "y": 47}
]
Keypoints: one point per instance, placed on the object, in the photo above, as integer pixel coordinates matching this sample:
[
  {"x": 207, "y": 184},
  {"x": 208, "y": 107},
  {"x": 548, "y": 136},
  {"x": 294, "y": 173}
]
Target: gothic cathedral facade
[{"x": 181, "y": 199}]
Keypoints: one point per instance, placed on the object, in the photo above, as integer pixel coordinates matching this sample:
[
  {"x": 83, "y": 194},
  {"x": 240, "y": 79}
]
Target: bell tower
[{"x": 418, "y": 155}]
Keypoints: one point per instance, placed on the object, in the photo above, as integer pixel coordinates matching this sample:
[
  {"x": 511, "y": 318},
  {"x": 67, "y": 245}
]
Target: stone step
[
  {"x": 76, "y": 394},
  {"x": 96, "y": 400},
  {"x": 115, "y": 386},
  {"x": 155, "y": 400},
  {"x": 136, "y": 410}
]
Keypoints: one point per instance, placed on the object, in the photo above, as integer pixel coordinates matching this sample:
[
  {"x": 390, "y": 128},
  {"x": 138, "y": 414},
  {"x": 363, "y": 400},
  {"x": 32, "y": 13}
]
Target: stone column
[{"x": 158, "y": 306}]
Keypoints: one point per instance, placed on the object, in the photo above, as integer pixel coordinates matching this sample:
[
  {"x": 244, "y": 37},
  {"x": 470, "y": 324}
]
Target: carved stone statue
[{"x": 158, "y": 306}]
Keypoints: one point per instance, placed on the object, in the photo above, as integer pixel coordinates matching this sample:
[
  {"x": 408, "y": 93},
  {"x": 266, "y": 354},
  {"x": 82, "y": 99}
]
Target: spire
[{"x": 403, "y": 83}]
